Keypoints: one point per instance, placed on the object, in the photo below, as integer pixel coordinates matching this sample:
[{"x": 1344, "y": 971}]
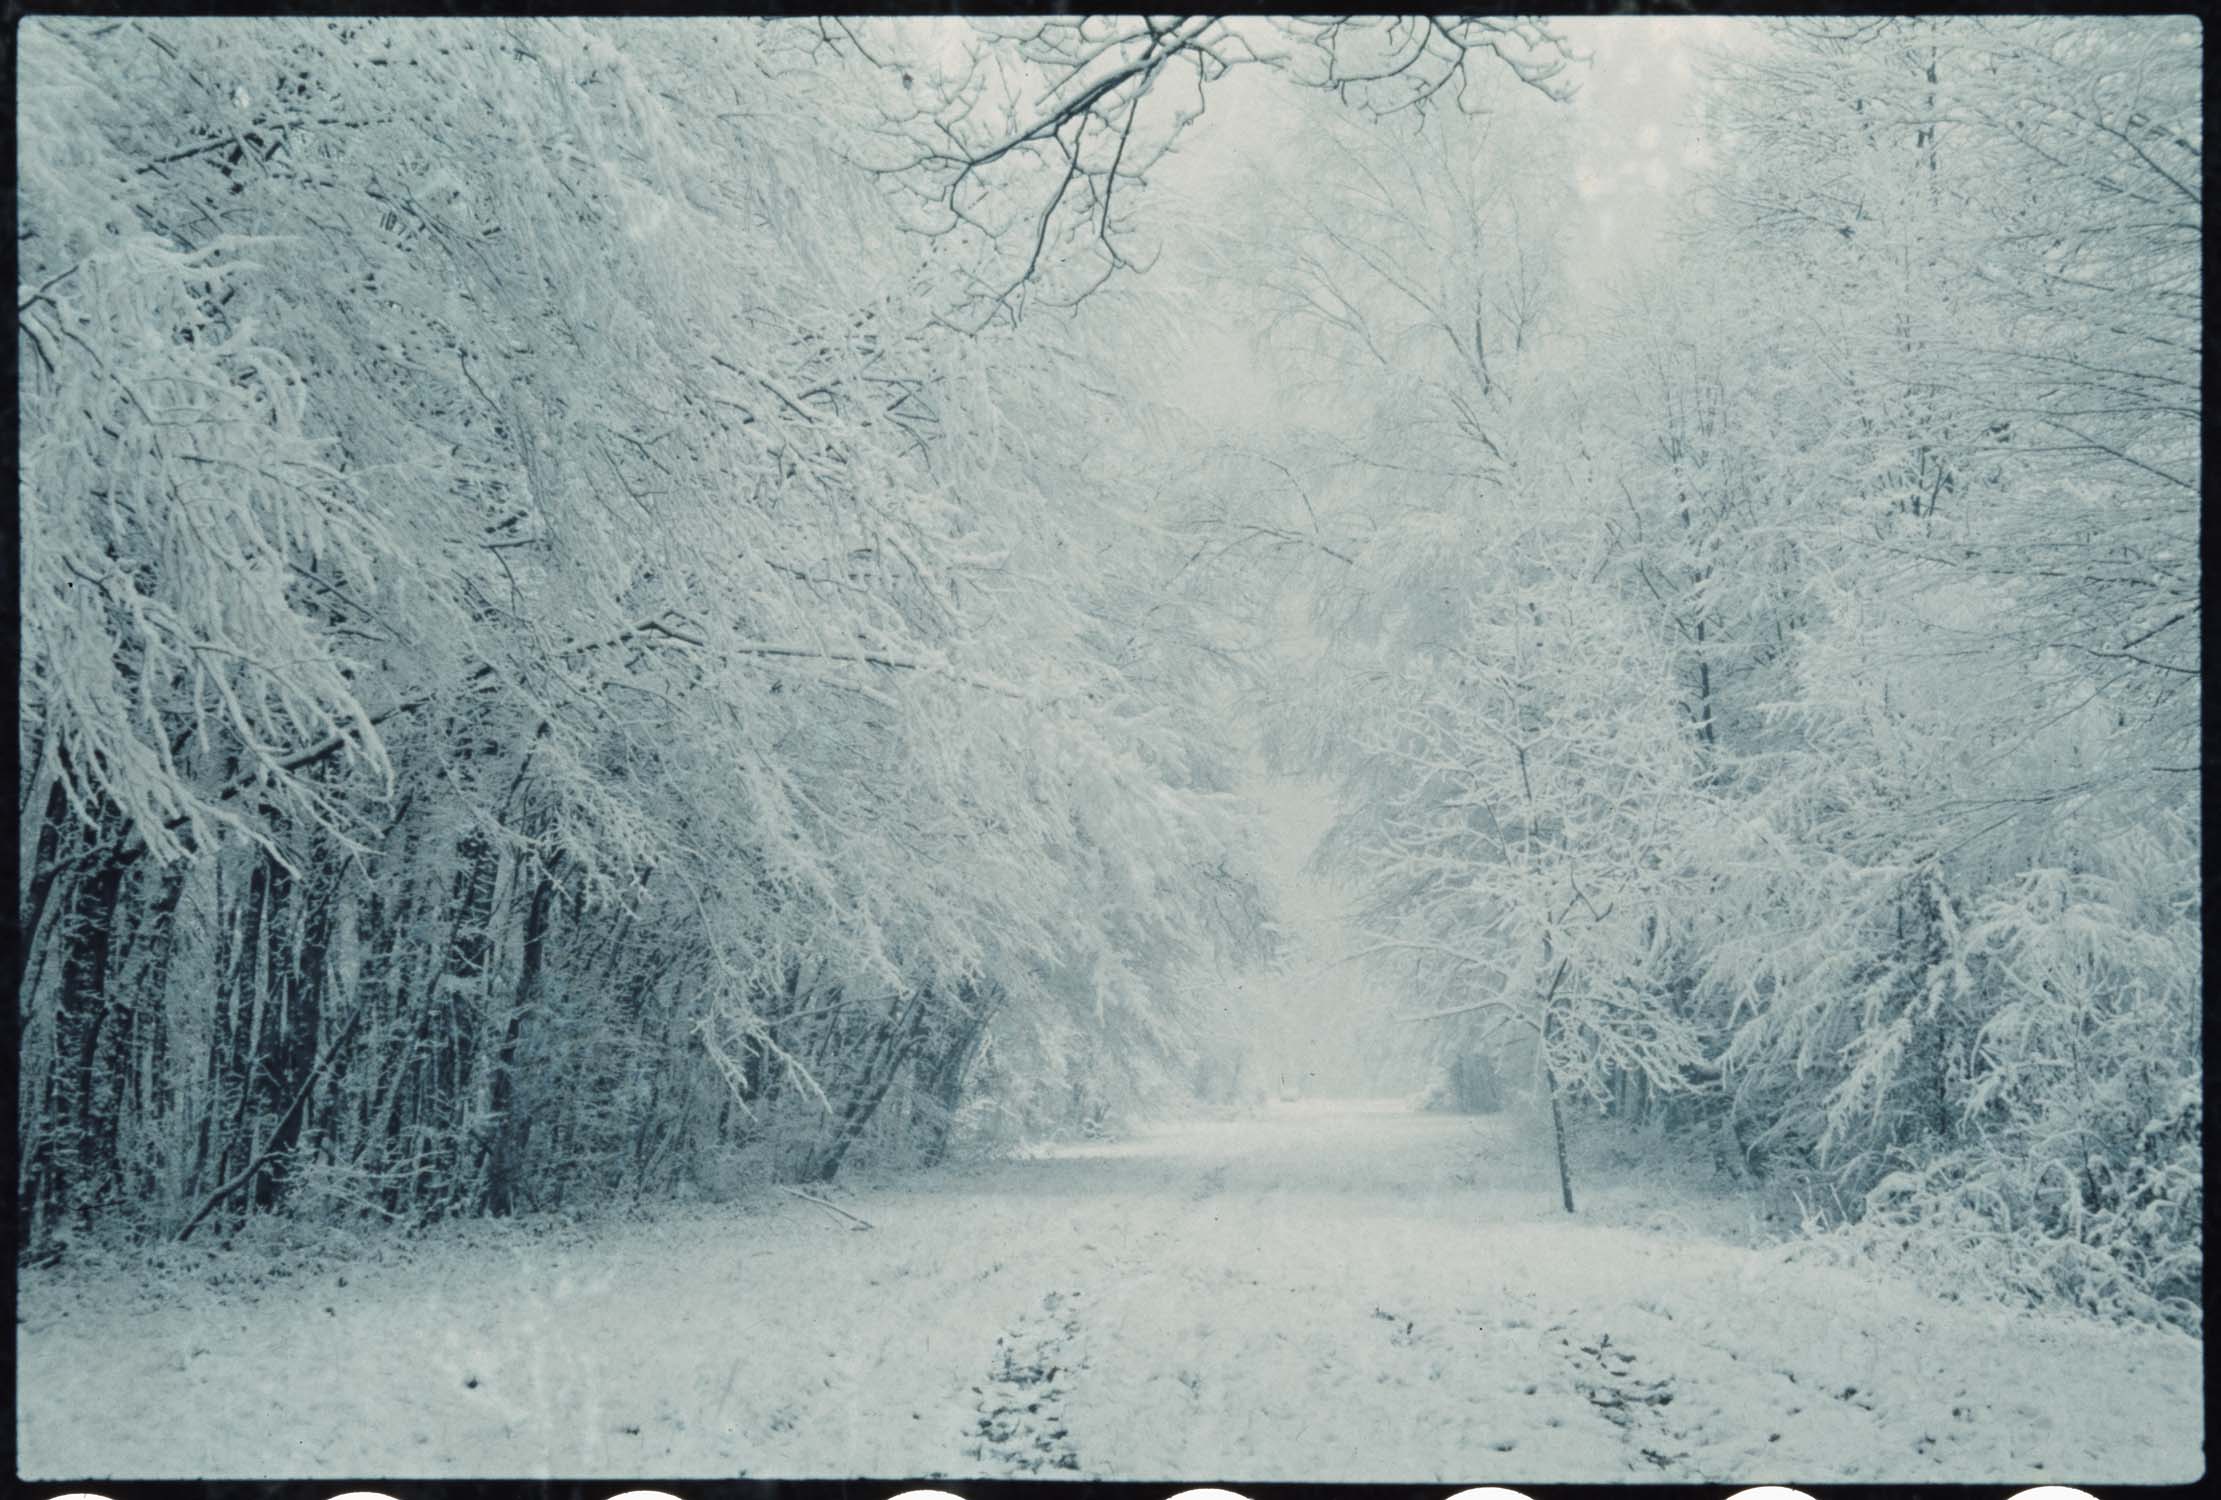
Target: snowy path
[{"x": 1332, "y": 1292}]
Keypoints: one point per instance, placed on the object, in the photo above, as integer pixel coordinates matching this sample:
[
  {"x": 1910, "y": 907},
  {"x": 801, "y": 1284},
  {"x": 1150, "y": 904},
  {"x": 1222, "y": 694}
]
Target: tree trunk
[
  {"x": 502, "y": 1152},
  {"x": 1550, "y": 1084},
  {"x": 138, "y": 1050},
  {"x": 1557, "y": 1131},
  {"x": 299, "y": 982},
  {"x": 292, "y": 1110},
  {"x": 942, "y": 1082},
  {"x": 453, "y": 1003},
  {"x": 45, "y": 863},
  {"x": 86, "y": 1164},
  {"x": 898, "y": 1037}
]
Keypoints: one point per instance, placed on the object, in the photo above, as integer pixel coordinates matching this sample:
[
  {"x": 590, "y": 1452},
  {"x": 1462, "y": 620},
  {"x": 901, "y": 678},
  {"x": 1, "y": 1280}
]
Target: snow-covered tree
[{"x": 531, "y": 689}]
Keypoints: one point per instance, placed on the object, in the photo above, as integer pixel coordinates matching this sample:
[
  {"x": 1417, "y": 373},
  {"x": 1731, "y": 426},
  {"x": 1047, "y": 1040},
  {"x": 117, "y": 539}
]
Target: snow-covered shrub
[{"x": 2077, "y": 1174}]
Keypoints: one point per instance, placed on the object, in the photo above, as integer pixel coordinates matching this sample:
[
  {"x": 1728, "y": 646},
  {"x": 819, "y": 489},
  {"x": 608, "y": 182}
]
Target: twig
[
  {"x": 821, "y": 1203},
  {"x": 270, "y": 1146}
]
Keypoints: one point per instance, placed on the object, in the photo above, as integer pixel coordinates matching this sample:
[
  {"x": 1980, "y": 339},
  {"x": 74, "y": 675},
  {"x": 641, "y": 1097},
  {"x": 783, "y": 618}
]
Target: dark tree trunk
[
  {"x": 395, "y": 1036},
  {"x": 134, "y": 1056},
  {"x": 85, "y": 1168},
  {"x": 1550, "y": 1083},
  {"x": 1557, "y": 1132},
  {"x": 891, "y": 1048},
  {"x": 941, "y": 1080},
  {"x": 46, "y": 862},
  {"x": 501, "y": 1165},
  {"x": 299, "y": 981},
  {"x": 453, "y": 1004},
  {"x": 241, "y": 1017}
]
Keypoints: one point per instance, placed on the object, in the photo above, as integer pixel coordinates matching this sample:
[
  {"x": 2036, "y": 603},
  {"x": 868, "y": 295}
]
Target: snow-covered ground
[{"x": 1334, "y": 1291}]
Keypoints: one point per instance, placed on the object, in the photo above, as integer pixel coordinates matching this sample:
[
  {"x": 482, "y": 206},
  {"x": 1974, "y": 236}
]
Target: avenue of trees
[
  {"x": 608, "y": 606},
  {"x": 575, "y": 643}
]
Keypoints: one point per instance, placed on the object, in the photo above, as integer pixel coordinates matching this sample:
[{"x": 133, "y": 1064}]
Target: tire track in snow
[
  {"x": 1604, "y": 1373},
  {"x": 1021, "y": 1426},
  {"x": 1600, "y": 1382},
  {"x": 1689, "y": 1440}
]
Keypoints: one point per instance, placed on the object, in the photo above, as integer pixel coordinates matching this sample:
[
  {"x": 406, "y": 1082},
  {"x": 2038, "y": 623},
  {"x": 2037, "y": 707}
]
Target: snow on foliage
[
  {"x": 1773, "y": 684},
  {"x": 616, "y": 605},
  {"x": 560, "y": 652}
]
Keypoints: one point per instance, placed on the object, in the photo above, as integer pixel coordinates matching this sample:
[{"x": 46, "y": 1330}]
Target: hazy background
[{"x": 1635, "y": 143}]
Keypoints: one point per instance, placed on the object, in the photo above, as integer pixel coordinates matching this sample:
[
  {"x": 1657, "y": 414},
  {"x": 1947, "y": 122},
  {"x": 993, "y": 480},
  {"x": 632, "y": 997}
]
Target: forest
[{"x": 614, "y": 611}]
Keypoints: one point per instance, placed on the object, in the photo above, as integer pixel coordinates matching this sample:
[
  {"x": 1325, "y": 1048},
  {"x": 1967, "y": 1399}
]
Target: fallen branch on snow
[{"x": 821, "y": 1203}]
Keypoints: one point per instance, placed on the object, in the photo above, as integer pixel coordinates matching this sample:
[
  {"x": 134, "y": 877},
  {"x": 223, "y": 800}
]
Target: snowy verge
[{"x": 1311, "y": 1295}]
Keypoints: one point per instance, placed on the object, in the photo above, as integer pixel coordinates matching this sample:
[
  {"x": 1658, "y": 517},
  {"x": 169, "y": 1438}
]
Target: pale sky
[
  {"x": 1634, "y": 146},
  {"x": 1632, "y": 122}
]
